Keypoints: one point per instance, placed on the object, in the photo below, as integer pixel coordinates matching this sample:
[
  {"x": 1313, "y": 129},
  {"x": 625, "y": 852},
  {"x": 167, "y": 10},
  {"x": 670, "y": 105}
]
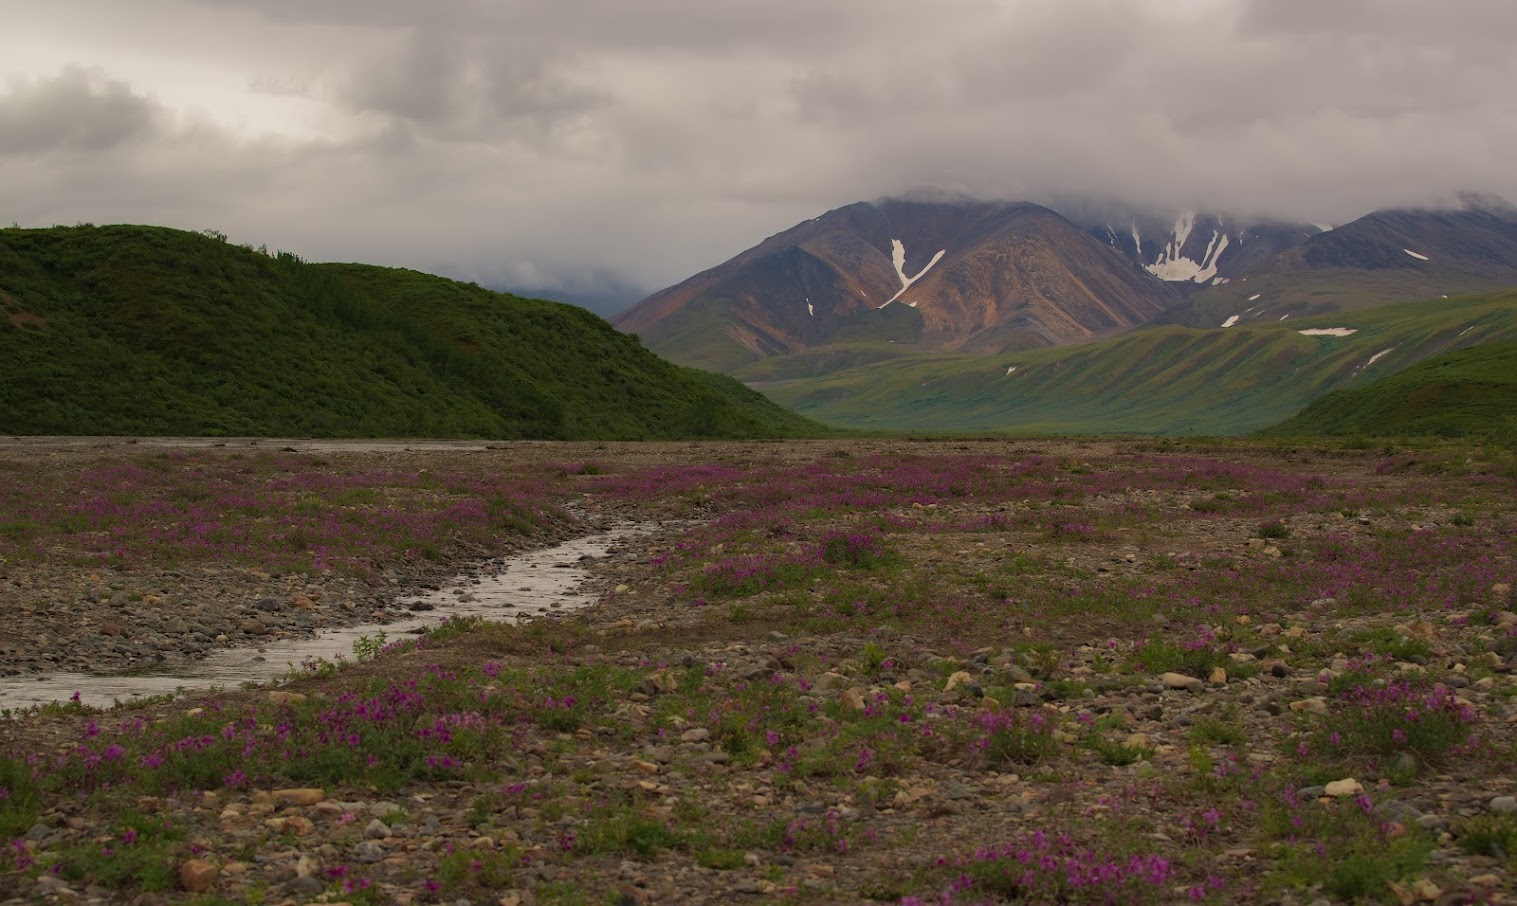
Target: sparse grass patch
[
  {"x": 1017, "y": 737},
  {"x": 1196, "y": 658},
  {"x": 1490, "y": 835},
  {"x": 628, "y": 833},
  {"x": 1425, "y": 721},
  {"x": 142, "y": 855},
  {"x": 1273, "y": 529},
  {"x": 1216, "y": 731}
]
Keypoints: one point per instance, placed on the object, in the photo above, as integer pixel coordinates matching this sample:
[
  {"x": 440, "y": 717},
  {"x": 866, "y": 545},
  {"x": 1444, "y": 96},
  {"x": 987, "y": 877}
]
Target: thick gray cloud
[
  {"x": 603, "y": 147},
  {"x": 76, "y": 110}
]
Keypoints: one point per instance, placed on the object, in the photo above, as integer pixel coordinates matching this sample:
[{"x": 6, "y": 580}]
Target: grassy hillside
[
  {"x": 1468, "y": 393},
  {"x": 146, "y": 330},
  {"x": 1162, "y": 380}
]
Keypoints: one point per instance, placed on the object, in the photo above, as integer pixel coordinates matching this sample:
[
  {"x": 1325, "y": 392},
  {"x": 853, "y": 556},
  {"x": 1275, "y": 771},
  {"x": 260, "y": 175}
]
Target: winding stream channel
[{"x": 525, "y": 586}]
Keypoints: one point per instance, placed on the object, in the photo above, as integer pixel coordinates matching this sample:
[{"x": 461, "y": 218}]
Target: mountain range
[
  {"x": 995, "y": 277},
  {"x": 975, "y": 315}
]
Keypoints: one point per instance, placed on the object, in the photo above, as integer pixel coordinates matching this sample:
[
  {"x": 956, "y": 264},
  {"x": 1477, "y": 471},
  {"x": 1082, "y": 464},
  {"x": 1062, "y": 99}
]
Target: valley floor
[{"x": 833, "y": 672}]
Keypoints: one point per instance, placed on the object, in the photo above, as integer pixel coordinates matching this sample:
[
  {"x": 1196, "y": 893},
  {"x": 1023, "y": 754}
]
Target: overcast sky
[{"x": 626, "y": 144}]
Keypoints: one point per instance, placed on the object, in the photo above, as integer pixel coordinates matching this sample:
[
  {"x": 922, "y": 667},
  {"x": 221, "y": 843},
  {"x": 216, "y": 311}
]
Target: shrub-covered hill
[
  {"x": 148, "y": 330},
  {"x": 1468, "y": 393}
]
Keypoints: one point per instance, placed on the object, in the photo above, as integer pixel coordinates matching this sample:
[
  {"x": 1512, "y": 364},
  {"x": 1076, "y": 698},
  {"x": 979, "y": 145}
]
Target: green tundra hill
[
  {"x": 1468, "y": 393},
  {"x": 147, "y": 330},
  {"x": 1165, "y": 379}
]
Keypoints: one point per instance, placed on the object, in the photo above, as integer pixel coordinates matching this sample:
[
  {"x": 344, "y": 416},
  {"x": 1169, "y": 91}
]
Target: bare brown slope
[
  {"x": 1033, "y": 279},
  {"x": 1010, "y": 276}
]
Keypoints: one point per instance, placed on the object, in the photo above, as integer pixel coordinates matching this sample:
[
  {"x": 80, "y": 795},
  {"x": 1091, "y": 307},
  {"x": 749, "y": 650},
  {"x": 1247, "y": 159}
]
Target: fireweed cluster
[
  {"x": 848, "y": 544},
  {"x": 268, "y": 510},
  {"x": 478, "y": 725},
  {"x": 774, "y": 524},
  {"x": 1049, "y": 868}
]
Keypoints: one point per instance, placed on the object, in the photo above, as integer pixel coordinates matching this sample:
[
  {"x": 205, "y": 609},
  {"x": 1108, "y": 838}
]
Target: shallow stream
[{"x": 525, "y": 586}]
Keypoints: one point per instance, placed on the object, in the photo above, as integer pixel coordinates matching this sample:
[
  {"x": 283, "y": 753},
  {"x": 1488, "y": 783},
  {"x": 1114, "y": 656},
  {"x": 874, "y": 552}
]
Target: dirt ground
[{"x": 835, "y": 672}]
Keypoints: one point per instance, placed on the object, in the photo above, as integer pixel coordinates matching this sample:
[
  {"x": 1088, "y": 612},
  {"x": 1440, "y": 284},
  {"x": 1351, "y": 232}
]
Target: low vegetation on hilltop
[
  {"x": 1469, "y": 393},
  {"x": 1160, "y": 380},
  {"x": 148, "y": 330}
]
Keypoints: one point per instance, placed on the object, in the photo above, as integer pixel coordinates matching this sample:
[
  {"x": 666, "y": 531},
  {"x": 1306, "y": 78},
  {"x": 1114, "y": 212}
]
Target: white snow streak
[
  {"x": 1183, "y": 225},
  {"x": 1175, "y": 267},
  {"x": 1324, "y": 227},
  {"x": 1415, "y": 255},
  {"x": 898, "y": 258},
  {"x": 1010, "y": 370},
  {"x": 1465, "y": 331},
  {"x": 1137, "y": 241},
  {"x": 1254, "y": 296},
  {"x": 1376, "y": 357},
  {"x": 1328, "y": 331},
  {"x": 1218, "y": 281},
  {"x": 809, "y": 310},
  {"x": 1230, "y": 321}
]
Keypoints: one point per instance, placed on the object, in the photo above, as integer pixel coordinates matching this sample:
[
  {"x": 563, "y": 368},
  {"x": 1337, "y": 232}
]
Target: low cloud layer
[{"x": 606, "y": 147}]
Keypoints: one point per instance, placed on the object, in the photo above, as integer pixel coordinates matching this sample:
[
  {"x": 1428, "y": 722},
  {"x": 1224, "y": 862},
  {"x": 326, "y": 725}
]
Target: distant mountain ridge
[
  {"x": 1387, "y": 256},
  {"x": 964, "y": 276},
  {"x": 1192, "y": 250},
  {"x": 874, "y": 280}
]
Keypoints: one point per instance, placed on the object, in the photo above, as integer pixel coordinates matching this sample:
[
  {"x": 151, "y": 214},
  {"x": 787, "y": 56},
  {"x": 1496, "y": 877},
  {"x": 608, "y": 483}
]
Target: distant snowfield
[
  {"x": 1230, "y": 321},
  {"x": 1417, "y": 256},
  {"x": 1174, "y": 267},
  {"x": 898, "y": 258},
  {"x": 1010, "y": 370},
  {"x": 1377, "y": 356},
  {"x": 1328, "y": 331}
]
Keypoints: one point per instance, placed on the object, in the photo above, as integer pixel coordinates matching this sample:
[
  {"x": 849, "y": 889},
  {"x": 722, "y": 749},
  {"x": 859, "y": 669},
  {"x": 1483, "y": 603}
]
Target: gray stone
[
  {"x": 368, "y": 851},
  {"x": 376, "y": 830},
  {"x": 307, "y": 885},
  {"x": 1396, "y": 810},
  {"x": 1505, "y": 805}
]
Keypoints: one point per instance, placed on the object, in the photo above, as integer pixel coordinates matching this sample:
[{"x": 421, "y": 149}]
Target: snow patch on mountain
[
  {"x": 898, "y": 258},
  {"x": 1172, "y": 264},
  {"x": 1417, "y": 256},
  {"x": 1328, "y": 331},
  {"x": 1230, "y": 321},
  {"x": 1377, "y": 356}
]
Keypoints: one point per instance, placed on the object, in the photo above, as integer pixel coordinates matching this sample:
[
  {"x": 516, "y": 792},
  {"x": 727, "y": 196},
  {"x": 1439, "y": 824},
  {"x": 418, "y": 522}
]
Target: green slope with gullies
[
  {"x": 1159, "y": 380},
  {"x": 1468, "y": 393},
  {"x": 148, "y": 330}
]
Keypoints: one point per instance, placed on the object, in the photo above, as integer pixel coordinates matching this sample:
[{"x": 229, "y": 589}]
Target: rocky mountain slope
[
  {"x": 1190, "y": 250},
  {"x": 1384, "y": 257},
  {"x": 970, "y": 276}
]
